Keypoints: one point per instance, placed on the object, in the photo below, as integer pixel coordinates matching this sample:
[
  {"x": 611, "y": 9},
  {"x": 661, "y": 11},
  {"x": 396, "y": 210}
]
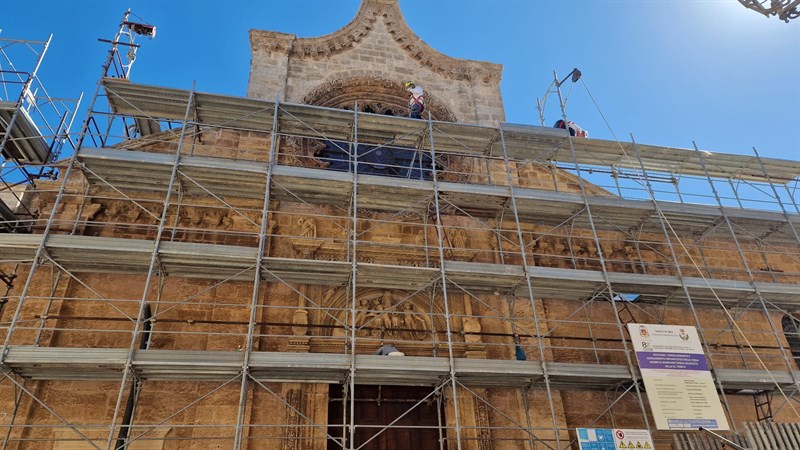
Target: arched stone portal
[
  {"x": 413, "y": 321},
  {"x": 374, "y": 95}
]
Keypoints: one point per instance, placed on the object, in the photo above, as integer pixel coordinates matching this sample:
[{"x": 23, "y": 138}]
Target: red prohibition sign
[{"x": 620, "y": 434}]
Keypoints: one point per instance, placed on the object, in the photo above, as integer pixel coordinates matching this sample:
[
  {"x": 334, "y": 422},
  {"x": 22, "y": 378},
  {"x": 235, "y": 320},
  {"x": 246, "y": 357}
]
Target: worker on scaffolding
[
  {"x": 416, "y": 100},
  {"x": 574, "y": 129},
  {"x": 388, "y": 350},
  {"x": 519, "y": 352}
]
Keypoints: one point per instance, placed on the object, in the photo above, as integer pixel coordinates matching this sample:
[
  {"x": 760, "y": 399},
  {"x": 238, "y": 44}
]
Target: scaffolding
[
  {"x": 34, "y": 128},
  {"x": 250, "y": 267}
]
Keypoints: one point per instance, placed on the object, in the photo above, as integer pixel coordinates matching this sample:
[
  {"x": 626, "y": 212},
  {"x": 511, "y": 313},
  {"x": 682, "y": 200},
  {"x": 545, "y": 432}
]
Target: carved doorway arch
[
  {"x": 410, "y": 321},
  {"x": 374, "y": 95}
]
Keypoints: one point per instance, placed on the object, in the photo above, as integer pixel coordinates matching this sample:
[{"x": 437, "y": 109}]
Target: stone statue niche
[{"x": 380, "y": 315}]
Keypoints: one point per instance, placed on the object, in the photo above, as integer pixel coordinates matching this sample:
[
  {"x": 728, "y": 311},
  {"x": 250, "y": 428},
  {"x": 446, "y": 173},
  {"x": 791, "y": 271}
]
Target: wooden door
[{"x": 378, "y": 406}]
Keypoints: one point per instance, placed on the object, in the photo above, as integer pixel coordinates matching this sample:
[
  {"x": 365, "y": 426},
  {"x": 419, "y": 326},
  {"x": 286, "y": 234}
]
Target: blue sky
[{"x": 669, "y": 72}]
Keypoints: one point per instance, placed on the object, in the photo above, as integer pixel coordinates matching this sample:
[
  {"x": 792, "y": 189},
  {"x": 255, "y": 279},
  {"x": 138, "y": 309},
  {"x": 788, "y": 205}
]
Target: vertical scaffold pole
[
  {"x": 531, "y": 296},
  {"x": 127, "y": 371},
  {"x": 443, "y": 275},
  {"x": 679, "y": 272},
  {"x": 787, "y": 358},
  {"x": 600, "y": 255},
  {"x": 353, "y": 284},
  {"x": 251, "y": 324}
]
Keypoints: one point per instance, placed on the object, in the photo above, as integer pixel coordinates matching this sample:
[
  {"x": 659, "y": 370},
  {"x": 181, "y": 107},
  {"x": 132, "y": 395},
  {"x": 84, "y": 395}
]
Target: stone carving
[
  {"x": 296, "y": 433},
  {"x": 562, "y": 249},
  {"x": 308, "y": 227},
  {"x": 458, "y": 238},
  {"x": 374, "y": 95},
  {"x": 303, "y": 152},
  {"x": 458, "y": 245},
  {"x": 189, "y": 218},
  {"x": 419, "y": 239},
  {"x": 300, "y": 322},
  {"x": 482, "y": 421},
  {"x": 585, "y": 254},
  {"x": 622, "y": 258},
  {"x": 211, "y": 219},
  {"x": 380, "y": 317},
  {"x": 307, "y": 244}
]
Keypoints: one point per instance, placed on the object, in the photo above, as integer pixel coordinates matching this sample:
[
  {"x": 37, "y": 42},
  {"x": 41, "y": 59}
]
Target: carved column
[
  {"x": 306, "y": 412},
  {"x": 472, "y": 329},
  {"x": 473, "y": 419},
  {"x": 299, "y": 342}
]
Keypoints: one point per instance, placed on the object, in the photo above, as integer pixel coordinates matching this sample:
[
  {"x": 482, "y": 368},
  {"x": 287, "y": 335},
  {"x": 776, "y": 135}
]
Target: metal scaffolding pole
[
  {"x": 262, "y": 241},
  {"x": 531, "y": 296},
  {"x": 679, "y": 273},
  {"x": 443, "y": 274},
  {"x": 603, "y": 270},
  {"x": 353, "y": 284},
  {"x": 140, "y": 317}
]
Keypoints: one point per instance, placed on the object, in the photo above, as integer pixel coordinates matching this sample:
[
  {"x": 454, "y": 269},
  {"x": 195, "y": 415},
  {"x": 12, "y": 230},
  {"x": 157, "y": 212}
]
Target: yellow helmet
[{"x": 408, "y": 83}]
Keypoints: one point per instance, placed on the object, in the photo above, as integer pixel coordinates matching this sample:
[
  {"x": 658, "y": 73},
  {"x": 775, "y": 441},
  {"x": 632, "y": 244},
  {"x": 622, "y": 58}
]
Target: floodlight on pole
[
  {"x": 142, "y": 29},
  {"x": 574, "y": 75}
]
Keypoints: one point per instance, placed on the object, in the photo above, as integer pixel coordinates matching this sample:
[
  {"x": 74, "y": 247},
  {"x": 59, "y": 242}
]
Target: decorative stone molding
[
  {"x": 302, "y": 152},
  {"x": 374, "y": 95},
  {"x": 381, "y": 314},
  {"x": 363, "y": 24}
]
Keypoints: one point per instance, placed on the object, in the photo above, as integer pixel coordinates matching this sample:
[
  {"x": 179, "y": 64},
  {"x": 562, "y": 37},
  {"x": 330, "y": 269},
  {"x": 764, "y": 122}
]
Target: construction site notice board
[
  {"x": 616, "y": 439},
  {"x": 677, "y": 377}
]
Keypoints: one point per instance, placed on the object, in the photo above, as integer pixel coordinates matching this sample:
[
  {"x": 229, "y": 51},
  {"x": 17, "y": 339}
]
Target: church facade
[{"x": 224, "y": 282}]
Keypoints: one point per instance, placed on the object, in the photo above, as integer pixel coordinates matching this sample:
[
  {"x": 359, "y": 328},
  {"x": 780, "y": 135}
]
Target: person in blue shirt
[{"x": 520, "y": 352}]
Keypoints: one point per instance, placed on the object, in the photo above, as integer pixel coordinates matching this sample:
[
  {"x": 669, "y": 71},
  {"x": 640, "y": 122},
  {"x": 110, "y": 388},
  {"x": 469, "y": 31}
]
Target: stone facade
[
  {"x": 366, "y": 61},
  {"x": 376, "y": 49}
]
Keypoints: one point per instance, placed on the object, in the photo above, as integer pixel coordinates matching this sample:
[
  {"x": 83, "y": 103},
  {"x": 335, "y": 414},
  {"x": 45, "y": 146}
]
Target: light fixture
[
  {"x": 575, "y": 74},
  {"x": 142, "y": 29}
]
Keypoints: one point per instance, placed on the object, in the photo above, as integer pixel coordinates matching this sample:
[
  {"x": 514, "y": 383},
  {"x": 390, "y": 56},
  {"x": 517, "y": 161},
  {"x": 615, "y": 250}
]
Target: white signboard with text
[{"x": 677, "y": 378}]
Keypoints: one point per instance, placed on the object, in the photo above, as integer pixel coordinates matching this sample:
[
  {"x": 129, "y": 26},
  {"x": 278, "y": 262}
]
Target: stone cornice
[
  {"x": 364, "y": 23},
  {"x": 271, "y": 41}
]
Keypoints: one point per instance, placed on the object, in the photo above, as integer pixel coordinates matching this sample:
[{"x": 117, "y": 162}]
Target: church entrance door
[{"x": 378, "y": 406}]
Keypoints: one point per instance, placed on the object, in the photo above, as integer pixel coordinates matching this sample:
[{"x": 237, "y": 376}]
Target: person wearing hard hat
[
  {"x": 574, "y": 129},
  {"x": 416, "y": 102}
]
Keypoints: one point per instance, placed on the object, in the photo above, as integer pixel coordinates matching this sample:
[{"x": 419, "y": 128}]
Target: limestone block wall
[
  {"x": 377, "y": 44},
  {"x": 199, "y": 314}
]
